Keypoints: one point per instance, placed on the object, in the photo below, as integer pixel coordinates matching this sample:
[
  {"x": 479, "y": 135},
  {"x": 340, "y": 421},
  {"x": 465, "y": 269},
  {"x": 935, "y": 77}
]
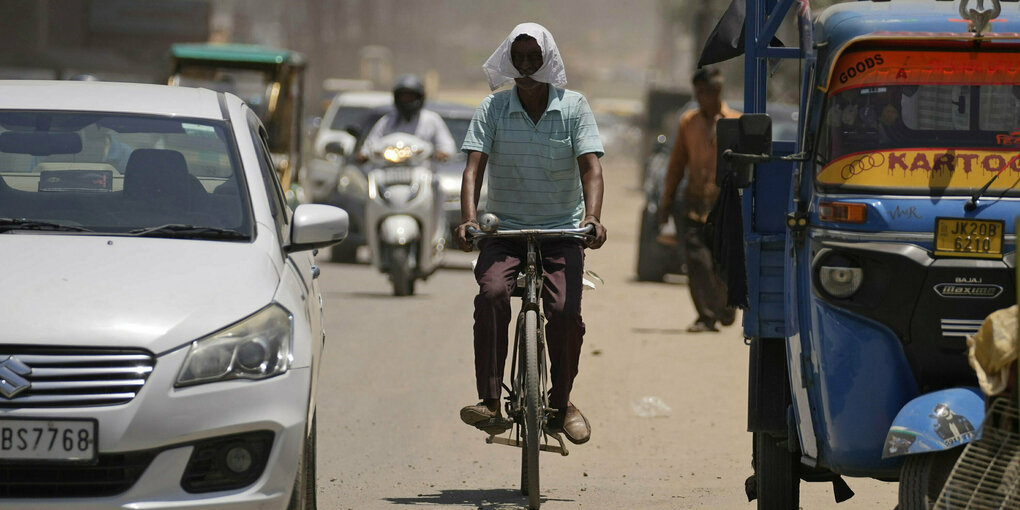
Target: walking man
[{"x": 694, "y": 153}]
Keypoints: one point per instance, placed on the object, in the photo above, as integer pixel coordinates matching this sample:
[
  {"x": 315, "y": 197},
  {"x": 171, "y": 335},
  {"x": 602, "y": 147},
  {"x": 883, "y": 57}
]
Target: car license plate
[
  {"x": 47, "y": 440},
  {"x": 958, "y": 237}
]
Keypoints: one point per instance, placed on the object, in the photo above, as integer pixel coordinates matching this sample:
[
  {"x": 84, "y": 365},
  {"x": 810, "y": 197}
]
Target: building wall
[{"x": 114, "y": 39}]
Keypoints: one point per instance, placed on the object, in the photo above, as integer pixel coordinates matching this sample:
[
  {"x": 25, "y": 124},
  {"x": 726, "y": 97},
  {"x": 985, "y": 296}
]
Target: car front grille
[
  {"x": 54, "y": 377},
  {"x": 112, "y": 474}
]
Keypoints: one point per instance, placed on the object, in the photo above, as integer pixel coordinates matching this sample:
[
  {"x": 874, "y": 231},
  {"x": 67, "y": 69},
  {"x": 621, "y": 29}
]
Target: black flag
[{"x": 727, "y": 38}]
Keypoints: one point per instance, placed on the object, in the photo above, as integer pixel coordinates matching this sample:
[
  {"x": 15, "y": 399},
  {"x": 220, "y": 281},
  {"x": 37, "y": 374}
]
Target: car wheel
[
  {"x": 650, "y": 264},
  {"x": 303, "y": 495}
]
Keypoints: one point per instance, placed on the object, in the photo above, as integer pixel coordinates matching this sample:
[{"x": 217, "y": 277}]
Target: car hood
[{"x": 150, "y": 293}]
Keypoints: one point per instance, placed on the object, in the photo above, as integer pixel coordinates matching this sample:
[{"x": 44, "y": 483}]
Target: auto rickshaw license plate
[{"x": 958, "y": 237}]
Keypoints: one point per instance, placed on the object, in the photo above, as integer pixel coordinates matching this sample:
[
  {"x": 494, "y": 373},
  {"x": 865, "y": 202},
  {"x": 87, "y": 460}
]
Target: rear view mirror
[
  {"x": 741, "y": 143},
  {"x": 39, "y": 143}
]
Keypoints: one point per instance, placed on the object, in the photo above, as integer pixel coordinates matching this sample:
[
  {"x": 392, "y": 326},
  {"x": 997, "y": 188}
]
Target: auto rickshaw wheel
[
  {"x": 777, "y": 473},
  {"x": 922, "y": 477}
]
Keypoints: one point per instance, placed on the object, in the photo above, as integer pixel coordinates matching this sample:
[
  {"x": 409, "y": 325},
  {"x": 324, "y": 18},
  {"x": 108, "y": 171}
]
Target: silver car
[{"x": 162, "y": 322}]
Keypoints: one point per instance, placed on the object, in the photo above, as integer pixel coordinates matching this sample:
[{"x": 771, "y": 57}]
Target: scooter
[{"x": 404, "y": 221}]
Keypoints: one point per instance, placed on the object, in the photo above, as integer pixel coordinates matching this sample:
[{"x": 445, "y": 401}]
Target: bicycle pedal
[{"x": 494, "y": 426}]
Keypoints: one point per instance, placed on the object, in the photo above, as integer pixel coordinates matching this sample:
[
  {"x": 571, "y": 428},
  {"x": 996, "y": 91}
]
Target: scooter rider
[
  {"x": 410, "y": 116},
  {"x": 542, "y": 147}
]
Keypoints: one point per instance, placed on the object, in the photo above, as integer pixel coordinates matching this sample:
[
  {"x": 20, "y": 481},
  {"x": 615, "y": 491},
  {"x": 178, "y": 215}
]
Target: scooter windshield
[{"x": 928, "y": 121}]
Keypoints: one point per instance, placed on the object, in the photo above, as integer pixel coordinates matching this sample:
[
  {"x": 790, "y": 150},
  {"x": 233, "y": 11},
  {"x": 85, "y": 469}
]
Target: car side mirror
[
  {"x": 317, "y": 226},
  {"x": 741, "y": 143},
  {"x": 354, "y": 131}
]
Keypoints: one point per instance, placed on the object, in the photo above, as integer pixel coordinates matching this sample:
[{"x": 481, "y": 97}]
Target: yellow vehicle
[{"x": 270, "y": 80}]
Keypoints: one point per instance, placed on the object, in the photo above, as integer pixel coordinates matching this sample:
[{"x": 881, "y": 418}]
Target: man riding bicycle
[{"x": 541, "y": 146}]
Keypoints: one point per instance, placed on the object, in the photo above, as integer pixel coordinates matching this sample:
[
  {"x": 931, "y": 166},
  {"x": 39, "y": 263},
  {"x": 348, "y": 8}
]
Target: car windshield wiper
[
  {"x": 7, "y": 224},
  {"x": 188, "y": 231},
  {"x": 971, "y": 204}
]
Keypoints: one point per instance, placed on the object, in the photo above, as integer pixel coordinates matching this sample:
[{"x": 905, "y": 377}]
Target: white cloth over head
[{"x": 499, "y": 69}]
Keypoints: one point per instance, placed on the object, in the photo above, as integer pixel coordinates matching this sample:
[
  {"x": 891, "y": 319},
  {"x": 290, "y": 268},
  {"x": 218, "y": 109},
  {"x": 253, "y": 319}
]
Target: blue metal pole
[{"x": 755, "y": 70}]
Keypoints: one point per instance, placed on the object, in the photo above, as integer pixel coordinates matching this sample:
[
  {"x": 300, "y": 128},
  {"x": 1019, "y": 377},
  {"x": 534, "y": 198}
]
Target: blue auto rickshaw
[{"x": 876, "y": 243}]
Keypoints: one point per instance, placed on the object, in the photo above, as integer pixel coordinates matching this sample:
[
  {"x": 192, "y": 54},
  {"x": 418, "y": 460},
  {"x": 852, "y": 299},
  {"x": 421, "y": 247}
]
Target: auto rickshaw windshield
[{"x": 889, "y": 123}]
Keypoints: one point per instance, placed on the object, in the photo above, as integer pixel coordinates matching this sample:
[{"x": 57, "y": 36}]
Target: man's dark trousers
[
  {"x": 496, "y": 273},
  {"x": 708, "y": 290}
]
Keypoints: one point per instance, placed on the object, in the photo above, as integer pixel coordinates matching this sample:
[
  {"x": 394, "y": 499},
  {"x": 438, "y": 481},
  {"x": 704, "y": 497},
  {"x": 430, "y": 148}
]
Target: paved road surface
[{"x": 397, "y": 370}]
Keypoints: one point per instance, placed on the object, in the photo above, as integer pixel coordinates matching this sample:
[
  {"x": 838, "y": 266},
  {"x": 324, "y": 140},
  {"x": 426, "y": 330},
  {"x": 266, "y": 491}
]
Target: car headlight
[
  {"x": 254, "y": 348},
  {"x": 840, "y": 277}
]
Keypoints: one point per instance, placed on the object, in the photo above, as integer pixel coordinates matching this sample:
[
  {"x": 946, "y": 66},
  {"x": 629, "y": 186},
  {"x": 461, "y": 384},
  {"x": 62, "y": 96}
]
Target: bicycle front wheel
[{"x": 532, "y": 411}]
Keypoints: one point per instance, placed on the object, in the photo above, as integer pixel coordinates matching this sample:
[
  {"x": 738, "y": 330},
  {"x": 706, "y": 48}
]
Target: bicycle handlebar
[{"x": 585, "y": 233}]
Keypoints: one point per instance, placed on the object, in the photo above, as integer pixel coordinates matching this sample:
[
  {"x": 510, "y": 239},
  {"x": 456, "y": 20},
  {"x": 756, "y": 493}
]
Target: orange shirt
[{"x": 695, "y": 150}]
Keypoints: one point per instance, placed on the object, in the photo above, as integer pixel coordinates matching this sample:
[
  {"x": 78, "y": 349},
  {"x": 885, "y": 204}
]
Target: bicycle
[{"x": 527, "y": 401}]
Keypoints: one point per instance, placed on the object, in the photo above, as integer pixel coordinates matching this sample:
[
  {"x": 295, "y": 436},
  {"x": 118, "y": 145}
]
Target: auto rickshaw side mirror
[
  {"x": 354, "y": 131},
  {"x": 741, "y": 143}
]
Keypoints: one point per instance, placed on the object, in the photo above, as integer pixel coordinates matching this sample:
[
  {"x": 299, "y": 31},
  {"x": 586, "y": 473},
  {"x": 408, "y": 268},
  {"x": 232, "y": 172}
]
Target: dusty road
[{"x": 397, "y": 370}]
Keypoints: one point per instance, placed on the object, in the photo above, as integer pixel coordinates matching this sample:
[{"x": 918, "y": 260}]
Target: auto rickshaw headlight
[{"x": 840, "y": 281}]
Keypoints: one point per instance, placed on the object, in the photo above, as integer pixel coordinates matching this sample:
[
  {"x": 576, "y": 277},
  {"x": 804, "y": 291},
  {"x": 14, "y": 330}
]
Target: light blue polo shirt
[{"x": 532, "y": 173}]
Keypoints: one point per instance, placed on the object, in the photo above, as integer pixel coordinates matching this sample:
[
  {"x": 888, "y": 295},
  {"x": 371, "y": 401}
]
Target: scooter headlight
[
  {"x": 396, "y": 154},
  {"x": 840, "y": 277}
]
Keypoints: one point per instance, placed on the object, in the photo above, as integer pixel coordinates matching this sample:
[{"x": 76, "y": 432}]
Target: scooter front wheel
[{"x": 401, "y": 272}]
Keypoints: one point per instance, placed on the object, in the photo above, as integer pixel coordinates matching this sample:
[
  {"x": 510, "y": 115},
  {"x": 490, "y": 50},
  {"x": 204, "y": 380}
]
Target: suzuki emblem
[{"x": 12, "y": 377}]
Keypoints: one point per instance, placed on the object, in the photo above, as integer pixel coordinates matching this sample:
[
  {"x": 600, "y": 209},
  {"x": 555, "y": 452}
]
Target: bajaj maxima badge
[{"x": 968, "y": 290}]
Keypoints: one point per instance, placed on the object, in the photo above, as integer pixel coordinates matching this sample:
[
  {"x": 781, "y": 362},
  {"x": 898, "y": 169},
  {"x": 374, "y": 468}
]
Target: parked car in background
[
  {"x": 451, "y": 172},
  {"x": 619, "y": 125},
  {"x": 163, "y": 331},
  {"x": 333, "y": 175},
  {"x": 348, "y": 110},
  {"x": 659, "y": 255},
  {"x": 336, "y": 180},
  {"x": 662, "y": 253}
]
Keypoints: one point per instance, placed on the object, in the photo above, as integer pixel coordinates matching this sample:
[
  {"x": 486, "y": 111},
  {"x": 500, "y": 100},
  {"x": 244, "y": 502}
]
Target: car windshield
[
  {"x": 120, "y": 174},
  {"x": 938, "y": 122},
  {"x": 347, "y": 116}
]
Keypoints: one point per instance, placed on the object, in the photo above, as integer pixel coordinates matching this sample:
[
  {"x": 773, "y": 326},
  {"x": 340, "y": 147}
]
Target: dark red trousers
[{"x": 496, "y": 273}]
